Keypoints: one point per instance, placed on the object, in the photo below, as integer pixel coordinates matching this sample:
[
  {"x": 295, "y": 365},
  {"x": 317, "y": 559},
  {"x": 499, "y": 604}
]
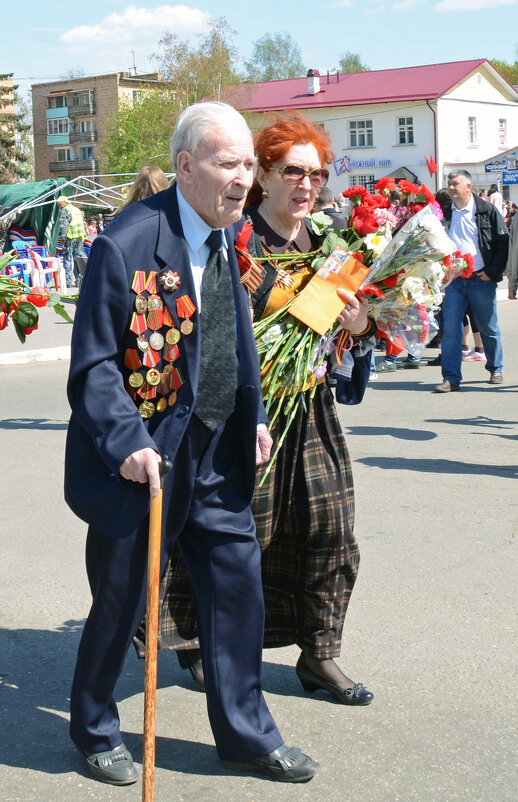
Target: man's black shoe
[
  {"x": 114, "y": 767},
  {"x": 286, "y": 764}
]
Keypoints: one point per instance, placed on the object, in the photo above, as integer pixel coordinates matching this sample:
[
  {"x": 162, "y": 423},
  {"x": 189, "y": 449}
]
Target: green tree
[
  {"x": 139, "y": 133},
  {"x": 69, "y": 75},
  {"x": 275, "y": 56},
  {"x": 351, "y": 62},
  {"x": 194, "y": 73},
  {"x": 12, "y": 158},
  {"x": 23, "y": 109},
  {"x": 508, "y": 70}
]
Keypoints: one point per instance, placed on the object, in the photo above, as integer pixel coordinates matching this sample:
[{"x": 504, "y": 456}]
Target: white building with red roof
[{"x": 403, "y": 121}]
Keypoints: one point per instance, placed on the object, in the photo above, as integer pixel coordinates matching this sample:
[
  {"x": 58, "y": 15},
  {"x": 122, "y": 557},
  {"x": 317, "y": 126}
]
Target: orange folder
[{"x": 318, "y": 304}]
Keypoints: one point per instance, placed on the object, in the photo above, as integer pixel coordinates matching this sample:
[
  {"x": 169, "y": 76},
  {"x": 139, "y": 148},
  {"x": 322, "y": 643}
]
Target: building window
[
  {"x": 137, "y": 96},
  {"x": 502, "y": 131},
  {"x": 85, "y": 126},
  {"x": 59, "y": 126},
  {"x": 360, "y": 134},
  {"x": 405, "y": 130},
  {"x": 87, "y": 153},
  {"x": 364, "y": 180},
  {"x": 57, "y": 102},
  {"x": 64, "y": 154},
  {"x": 472, "y": 130}
]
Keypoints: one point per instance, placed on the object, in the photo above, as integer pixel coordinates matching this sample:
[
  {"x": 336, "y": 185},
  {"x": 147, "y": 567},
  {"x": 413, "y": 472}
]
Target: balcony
[
  {"x": 56, "y": 114},
  {"x": 85, "y": 136},
  {"x": 81, "y": 110},
  {"x": 76, "y": 165}
]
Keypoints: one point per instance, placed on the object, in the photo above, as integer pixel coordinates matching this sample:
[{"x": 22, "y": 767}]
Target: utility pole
[{"x": 134, "y": 65}]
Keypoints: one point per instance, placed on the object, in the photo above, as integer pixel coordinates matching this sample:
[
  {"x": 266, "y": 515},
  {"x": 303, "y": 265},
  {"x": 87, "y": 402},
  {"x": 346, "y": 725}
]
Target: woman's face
[{"x": 290, "y": 203}]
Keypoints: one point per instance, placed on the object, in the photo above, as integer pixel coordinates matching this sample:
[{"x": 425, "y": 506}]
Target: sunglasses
[{"x": 293, "y": 174}]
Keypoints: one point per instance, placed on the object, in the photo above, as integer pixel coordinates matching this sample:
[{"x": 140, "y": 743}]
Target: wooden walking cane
[{"x": 153, "y": 583}]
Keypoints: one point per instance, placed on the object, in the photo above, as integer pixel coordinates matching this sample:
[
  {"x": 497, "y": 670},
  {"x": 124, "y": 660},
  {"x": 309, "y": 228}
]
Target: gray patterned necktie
[{"x": 218, "y": 361}]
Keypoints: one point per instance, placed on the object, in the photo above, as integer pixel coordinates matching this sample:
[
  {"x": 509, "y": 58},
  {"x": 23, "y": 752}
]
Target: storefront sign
[
  {"x": 508, "y": 162},
  {"x": 510, "y": 177},
  {"x": 345, "y": 164}
]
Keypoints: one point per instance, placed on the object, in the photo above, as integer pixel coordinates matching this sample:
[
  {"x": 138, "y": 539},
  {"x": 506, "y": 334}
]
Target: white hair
[{"x": 196, "y": 121}]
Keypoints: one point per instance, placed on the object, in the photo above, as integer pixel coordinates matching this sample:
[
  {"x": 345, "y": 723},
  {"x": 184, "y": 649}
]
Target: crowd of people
[{"x": 164, "y": 361}]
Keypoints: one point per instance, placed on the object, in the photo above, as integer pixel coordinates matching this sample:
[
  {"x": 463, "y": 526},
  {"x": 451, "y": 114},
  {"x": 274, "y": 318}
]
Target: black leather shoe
[
  {"x": 310, "y": 681},
  {"x": 114, "y": 767},
  {"x": 285, "y": 764},
  {"x": 190, "y": 659}
]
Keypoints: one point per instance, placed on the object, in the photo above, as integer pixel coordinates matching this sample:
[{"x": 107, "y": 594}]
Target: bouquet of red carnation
[{"x": 19, "y": 303}]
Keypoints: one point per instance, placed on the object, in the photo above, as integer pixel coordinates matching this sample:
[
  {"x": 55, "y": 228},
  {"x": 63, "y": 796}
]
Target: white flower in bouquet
[
  {"x": 415, "y": 289},
  {"x": 378, "y": 240},
  {"x": 272, "y": 334},
  {"x": 433, "y": 273},
  {"x": 437, "y": 236}
]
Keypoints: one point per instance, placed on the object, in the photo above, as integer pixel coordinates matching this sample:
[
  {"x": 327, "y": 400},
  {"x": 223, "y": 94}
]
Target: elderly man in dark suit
[{"x": 164, "y": 361}]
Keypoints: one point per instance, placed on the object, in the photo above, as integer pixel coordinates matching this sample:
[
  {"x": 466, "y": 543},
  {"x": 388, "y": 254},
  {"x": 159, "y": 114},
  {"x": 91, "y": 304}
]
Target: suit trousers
[{"x": 205, "y": 509}]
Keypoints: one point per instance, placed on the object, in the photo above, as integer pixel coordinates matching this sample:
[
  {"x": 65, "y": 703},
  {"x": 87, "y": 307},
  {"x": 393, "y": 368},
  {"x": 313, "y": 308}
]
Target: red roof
[{"x": 348, "y": 89}]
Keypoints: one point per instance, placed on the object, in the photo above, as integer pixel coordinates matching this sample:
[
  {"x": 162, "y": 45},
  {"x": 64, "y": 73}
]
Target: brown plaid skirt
[{"x": 304, "y": 515}]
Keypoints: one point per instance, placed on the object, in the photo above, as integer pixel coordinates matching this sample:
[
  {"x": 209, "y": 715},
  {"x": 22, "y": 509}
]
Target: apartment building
[{"x": 69, "y": 121}]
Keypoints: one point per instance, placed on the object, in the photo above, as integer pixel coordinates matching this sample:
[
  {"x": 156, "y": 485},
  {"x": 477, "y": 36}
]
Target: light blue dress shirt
[{"x": 464, "y": 232}]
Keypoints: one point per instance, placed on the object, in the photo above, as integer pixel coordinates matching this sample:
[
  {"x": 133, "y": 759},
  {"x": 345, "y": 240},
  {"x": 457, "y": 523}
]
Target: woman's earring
[{"x": 265, "y": 193}]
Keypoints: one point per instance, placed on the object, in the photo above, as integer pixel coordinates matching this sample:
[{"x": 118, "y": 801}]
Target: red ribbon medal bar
[{"x": 185, "y": 309}]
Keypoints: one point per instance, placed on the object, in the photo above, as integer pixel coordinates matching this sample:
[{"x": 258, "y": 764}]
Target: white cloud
[
  {"x": 470, "y": 5},
  {"x": 404, "y": 5},
  {"x": 341, "y": 4},
  {"x": 134, "y": 24}
]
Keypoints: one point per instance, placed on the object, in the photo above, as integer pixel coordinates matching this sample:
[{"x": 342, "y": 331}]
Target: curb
[{"x": 36, "y": 355}]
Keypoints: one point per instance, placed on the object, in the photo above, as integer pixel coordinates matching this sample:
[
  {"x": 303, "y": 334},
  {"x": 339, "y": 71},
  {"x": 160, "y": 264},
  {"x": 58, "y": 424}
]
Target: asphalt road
[{"x": 431, "y": 628}]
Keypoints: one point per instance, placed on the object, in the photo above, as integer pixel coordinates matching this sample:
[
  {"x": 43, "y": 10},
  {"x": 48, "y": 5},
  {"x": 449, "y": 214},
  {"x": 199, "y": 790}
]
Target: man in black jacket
[{"x": 476, "y": 227}]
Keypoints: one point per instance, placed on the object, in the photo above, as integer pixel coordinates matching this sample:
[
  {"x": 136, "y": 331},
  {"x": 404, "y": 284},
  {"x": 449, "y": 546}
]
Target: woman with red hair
[{"x": 304, "y": 510}]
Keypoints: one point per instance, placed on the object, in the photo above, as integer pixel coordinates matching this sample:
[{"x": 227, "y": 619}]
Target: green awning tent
[{"x": 35, "y": 208}]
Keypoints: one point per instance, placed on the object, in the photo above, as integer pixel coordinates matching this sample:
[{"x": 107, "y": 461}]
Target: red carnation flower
[
  {"x": 385, "y": 185},
  {"x": 408, "y": 188},
  {"x": 425, "y": 195},
  {"x": 356, "y": 194}
]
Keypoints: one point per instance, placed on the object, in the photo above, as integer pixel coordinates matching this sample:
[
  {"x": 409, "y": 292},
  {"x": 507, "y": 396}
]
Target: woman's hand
[{"x": 353, "y": 316}]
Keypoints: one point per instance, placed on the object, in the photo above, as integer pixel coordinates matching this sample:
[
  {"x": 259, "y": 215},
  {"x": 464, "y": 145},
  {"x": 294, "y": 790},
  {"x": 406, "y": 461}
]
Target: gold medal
[
  {"x": 147, "y": 409},
  {"x": 172, "y": 399},
  {"x": 172, "y": 336},
  {"x": 156, "y": 341},
  {"x": 161, "y": 405},
  {"x": 136, "y": 379},
  {"x": 141, "y": 304},
  {"x": 153, "y": 376},
  {"x": 154, "y": 302},
  {"x": 186, "y": 327},
  {"x": 142, "y": 342}
]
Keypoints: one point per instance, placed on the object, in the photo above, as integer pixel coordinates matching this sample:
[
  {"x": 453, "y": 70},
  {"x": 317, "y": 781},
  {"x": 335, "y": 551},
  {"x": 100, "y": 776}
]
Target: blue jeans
[
  {"x": 480, "y": 295},
  {"x": 73, "y": 247}
]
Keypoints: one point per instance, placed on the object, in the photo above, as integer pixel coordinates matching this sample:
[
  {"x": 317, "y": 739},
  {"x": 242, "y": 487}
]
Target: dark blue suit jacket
[{"x": 106, "y": 426}]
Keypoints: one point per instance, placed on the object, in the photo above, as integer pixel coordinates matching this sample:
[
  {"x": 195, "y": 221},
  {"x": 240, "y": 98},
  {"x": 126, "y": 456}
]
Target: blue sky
[{"x": 98, "y": 36}]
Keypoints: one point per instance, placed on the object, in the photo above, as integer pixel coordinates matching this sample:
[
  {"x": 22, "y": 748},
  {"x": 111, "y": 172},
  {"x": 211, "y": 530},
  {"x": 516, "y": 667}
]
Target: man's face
[
  {"x": 460, "y": 190},
  {"x": 215, "y": 179}
]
